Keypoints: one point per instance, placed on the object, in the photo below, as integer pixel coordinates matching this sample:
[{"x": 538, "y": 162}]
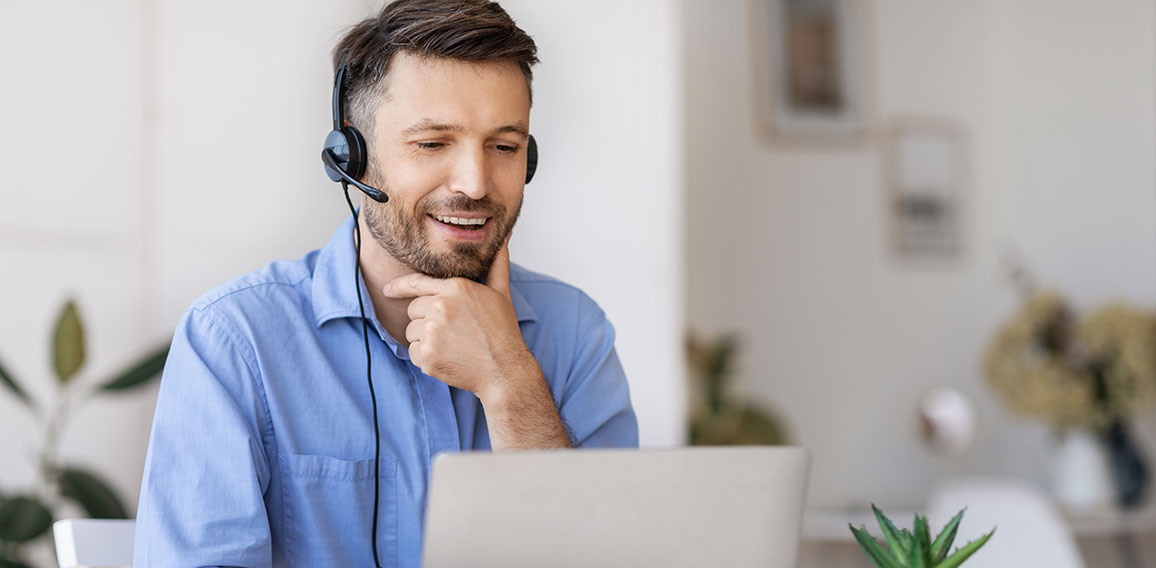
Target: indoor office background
[{"x": 151, "y": 150}]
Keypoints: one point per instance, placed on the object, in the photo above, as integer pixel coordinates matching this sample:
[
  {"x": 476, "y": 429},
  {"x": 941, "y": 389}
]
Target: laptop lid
[{"x": 665, "y": 507}]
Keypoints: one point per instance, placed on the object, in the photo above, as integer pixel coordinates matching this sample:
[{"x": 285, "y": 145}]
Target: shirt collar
[{"x": 333, "y": 296}]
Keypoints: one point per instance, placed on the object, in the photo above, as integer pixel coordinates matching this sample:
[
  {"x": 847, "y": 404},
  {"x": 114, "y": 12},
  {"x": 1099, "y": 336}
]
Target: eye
[
  {"x": 505, "y": 148},
  {"x": 430, "y": 145}
]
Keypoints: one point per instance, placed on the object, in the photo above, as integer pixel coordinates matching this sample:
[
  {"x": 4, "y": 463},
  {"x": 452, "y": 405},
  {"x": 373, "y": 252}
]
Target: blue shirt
[{"x": 262, "y": 451}]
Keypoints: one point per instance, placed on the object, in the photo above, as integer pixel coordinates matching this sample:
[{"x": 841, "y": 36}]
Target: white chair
[
  {"x": 94, "y": 543},
  {"x": 1030, "y": 531}
]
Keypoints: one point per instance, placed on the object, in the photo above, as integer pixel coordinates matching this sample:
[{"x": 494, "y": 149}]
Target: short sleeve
[
  {"x": 201, "y": 501},
  {"x": 595, "y": 404}
]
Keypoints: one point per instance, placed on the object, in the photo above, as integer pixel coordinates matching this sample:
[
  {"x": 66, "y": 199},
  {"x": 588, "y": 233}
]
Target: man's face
[{"x": 449, "y": 148}]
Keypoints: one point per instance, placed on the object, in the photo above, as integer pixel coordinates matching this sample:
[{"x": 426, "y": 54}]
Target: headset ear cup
[
  {"x": 348, "y": 151},
  {"x": 357, "y": 153},
  {"x": 335, "y": 145},
  {"x": 531, "y": 158}
]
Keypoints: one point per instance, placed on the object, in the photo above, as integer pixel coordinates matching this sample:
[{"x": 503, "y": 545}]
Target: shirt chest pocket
[{"x": 328, "y": 506}]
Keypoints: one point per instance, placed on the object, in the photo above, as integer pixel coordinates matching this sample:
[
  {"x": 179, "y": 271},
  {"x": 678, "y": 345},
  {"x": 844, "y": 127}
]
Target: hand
[{"x": 464, "y": 333}]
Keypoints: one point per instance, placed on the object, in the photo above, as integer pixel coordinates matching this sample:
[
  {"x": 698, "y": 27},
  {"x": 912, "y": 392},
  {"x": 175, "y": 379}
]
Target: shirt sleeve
[
  {"x": 595, "y": 404},
  {"x": 206, "y": 471}
]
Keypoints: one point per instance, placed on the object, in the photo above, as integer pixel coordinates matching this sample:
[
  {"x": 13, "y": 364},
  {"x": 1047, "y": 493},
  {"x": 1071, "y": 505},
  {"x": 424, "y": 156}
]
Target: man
[{"x": 263, "y": 446}]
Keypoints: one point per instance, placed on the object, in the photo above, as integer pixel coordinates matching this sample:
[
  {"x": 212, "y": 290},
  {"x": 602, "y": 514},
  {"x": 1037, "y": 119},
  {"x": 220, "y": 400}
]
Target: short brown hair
[{"x": 467, "y": 30}]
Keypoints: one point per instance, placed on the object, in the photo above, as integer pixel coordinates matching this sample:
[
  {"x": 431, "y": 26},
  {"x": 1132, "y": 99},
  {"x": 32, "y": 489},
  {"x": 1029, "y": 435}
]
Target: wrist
[{"x": 519, "y": 374}]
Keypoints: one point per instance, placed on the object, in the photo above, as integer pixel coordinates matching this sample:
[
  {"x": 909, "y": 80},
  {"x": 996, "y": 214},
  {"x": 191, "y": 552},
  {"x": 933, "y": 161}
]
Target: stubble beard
[{"x": 408, "y": 240}]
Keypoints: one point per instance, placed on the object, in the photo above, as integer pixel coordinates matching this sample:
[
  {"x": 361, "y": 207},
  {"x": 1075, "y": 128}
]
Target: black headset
[{"x": 345, "y": 157}]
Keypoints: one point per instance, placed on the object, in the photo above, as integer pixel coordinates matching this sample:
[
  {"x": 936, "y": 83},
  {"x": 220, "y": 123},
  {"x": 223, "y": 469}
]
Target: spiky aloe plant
[{"x": 915, "y": 549}]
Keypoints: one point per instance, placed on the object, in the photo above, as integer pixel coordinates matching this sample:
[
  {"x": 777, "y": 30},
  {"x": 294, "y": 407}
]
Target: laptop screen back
[{"x": 672, "y": 507}]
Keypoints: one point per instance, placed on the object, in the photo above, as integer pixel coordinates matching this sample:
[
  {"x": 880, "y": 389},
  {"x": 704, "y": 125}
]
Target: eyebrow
[{"x": 427, "y": 125}]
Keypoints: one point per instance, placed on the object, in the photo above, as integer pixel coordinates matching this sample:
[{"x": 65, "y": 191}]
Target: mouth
[{"x": 471, "y": 228}]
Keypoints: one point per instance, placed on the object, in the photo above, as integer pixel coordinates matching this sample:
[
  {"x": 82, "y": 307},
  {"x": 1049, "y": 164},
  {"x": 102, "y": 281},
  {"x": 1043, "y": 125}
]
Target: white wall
[
  {"x": 604, "y": 211},
  {"x": 181, "y": 144},
  {"x": 789, "y": 244},
  {"x": 70, "y": 209}
]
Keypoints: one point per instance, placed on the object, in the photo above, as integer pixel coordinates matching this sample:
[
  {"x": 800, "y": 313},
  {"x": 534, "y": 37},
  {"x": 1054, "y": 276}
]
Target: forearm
[{"x": 520, "y": 411}]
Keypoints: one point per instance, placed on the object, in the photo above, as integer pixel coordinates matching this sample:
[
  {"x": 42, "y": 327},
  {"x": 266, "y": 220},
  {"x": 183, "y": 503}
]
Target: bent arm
[
  {"x": 595, "y": 402},
  {"x": 206, "y": 471},
  {"x": 522, "y": 415}
]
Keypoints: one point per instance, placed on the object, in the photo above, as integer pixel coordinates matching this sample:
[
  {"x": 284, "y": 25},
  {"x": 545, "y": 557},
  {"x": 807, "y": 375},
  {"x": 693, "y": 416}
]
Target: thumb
[{"x": 499, "y": 275}]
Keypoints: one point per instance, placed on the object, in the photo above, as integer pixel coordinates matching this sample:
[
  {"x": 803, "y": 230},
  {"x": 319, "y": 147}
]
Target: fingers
[
  {"x": 415, "y": 331},
  {"x": 416, "y": 356},
  {"x": 499, "y": 276},
  {"x": 413, "y": 285},
  {"x": 427, "y": 306}
]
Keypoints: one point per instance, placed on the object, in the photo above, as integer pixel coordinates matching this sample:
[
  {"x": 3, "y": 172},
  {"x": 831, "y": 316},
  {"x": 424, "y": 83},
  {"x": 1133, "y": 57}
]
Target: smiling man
[{"x": 263, "y": 450}]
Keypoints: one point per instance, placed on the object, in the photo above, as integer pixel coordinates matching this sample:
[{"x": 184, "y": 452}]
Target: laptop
[{"x": 697, "y": 507}]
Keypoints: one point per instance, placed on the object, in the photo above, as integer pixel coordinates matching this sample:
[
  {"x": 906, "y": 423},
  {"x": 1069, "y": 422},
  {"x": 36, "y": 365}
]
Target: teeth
[{"x": 460, "y": 220}]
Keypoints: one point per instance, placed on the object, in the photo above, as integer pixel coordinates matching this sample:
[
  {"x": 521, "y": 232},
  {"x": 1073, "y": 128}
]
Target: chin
[{"x": 452, "y": 265}]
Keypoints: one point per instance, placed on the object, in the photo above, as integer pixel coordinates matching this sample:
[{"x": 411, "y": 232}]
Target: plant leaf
[
  {"x": 964, "y": 553},
  {"x": 23, "y": 518},
  {"x": 8, "y": 381},
  {"x": 97, "y": 498},
  {"x": 874, "y": 551},
  {"x": 138, "y": 374},
  {"x": 900, "y": 547},
  {"x": 942, "y": 543},
  {"x": 920, "y": 556},
  {"x": 68, "y": 343}
]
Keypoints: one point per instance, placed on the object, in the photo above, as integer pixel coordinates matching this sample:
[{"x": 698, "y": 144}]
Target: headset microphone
[{"x": 332, "y": 163}]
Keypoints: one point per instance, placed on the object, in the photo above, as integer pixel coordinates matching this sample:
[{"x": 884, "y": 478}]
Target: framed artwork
[
  {"x": 812, "y": 62},
  {"x": 926, "y": 173}
]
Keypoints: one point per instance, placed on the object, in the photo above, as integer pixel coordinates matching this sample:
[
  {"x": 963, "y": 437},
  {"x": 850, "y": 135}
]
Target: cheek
[
  {"x": 510, "y": 196},
  {"x": 407, "y": 174},
  {"x": 410, "y": 191}
]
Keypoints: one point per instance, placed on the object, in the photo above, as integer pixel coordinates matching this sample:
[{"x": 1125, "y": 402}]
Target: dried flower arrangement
[{"x": 1070, "y": 372}]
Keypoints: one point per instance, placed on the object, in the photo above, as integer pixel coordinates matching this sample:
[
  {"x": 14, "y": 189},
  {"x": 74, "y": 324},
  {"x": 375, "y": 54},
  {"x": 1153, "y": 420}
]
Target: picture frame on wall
[
  {"x": 812, "y": 65},
  {"x": 926, "y": 175}
]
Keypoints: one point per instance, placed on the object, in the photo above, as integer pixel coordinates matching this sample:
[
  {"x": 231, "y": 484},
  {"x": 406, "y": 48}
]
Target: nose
[{"x": 471, "y": 174}]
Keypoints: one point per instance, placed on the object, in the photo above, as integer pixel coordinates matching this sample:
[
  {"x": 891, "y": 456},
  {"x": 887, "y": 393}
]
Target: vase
[
  {"x": 1128, "y": 466},
  {"x": 1082, "y": 476}
]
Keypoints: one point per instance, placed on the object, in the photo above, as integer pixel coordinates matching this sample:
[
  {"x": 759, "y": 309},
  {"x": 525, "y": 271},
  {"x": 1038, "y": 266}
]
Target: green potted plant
[
  {"x": 26, "y": 515},
  {"x": 916, "y": 548},
  {"x": 717, "y": 418}
]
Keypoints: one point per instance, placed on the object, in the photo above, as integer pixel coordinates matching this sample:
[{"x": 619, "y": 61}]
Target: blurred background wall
[
  {"x": 789, "y": 243},
  {"x": 150, "y": 150}
]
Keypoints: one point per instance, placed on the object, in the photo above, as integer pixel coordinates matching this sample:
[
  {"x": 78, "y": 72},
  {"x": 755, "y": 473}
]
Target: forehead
[{"x": 454, "y": 92}]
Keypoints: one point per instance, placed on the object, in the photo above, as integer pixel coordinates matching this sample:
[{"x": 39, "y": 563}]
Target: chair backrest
[
  {"x": 1030, "y": 532},
  {"x": 94, "y": 543}
]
